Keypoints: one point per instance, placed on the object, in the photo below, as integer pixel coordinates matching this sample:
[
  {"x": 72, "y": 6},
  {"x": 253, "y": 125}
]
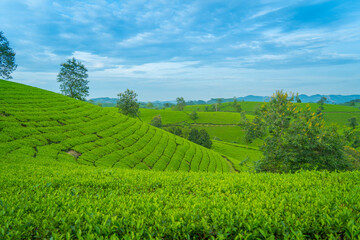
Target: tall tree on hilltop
[
  {"x": 180, "y": 103},
  {"x": 73, "y": 78},
  {"x": 128, "y": 104},
  {"x": 7, "y": 58}
]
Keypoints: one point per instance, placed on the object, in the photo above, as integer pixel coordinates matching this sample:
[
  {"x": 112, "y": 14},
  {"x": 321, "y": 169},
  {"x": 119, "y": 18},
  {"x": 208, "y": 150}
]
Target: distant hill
[{"x": 333, "y": 99}]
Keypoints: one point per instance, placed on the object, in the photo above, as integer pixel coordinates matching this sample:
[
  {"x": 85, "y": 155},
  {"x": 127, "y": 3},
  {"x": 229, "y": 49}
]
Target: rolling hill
[{"x": 42, "y": 125}]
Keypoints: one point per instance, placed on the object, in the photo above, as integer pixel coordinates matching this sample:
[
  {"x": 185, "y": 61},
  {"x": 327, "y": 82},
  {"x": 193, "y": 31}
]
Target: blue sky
[{"x": 206, "y": 49}]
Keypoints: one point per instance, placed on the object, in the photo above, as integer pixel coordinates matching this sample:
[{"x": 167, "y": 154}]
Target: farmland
[
  {"x": 49, "y": 126},
  {"x": 72, "y": 170},
  {"x": 62, "y": 200}
]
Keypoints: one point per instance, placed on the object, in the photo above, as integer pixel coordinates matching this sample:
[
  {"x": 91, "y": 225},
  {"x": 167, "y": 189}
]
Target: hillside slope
[{"x": 40, "y": 124}]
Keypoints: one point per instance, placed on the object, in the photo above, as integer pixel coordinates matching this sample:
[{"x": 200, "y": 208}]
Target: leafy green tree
[
  {"x": 298, "y": 138},
  {"x": 7, "y": 58},
  {"x": 218, "y": 104},
  {"x": 149, "y": 105},
  {"x": 180, "y": 103},
  {"x": 352, "y": 137},
  {"x": 194, "y": 115},
  {"x": 235, "y": 102},
  {"x": 298, "y": 100},
  {"x": 128, "y": 104},
  {"x": 175, "y": 130},
  {"x": 73, "y": 79},
  {"x": 200, "y": 137},
  {"x": 205, "y": 138},
  {"x": 156, "y": 121},
  {"x": 321, "y": 102},
  {"x": 214, "y": 107},
  {"x": 206, "y": 108},
  {"x": 238, "y": 108},
  {"x": 167, "y": 105},
  {"x": 253, "y": 129},
  {"x": 353, "y": 122}
]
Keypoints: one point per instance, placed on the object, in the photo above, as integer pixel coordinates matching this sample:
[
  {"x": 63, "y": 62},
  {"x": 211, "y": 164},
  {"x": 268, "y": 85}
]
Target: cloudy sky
[{"x": 201, "y": 49}]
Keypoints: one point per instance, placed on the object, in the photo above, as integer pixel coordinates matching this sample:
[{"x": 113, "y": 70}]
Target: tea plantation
[
  {"x": 62, "y": 200},
  {"x": 35, "y": 123},
  {"x": 72, "y": 170}
]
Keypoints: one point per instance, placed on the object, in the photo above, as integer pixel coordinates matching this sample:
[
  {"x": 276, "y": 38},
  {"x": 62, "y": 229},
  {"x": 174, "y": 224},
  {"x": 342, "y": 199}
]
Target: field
[
  {"x": 250, "y": 107},
  {"x": 59, "y": 200},
  {"x": 243, "y": 157},
  {"x": 49, "y": 126},
  {"x": 72, "y": 170},
  {"x": 337, "y": 114},
  {"x": 169, "y": 116}
]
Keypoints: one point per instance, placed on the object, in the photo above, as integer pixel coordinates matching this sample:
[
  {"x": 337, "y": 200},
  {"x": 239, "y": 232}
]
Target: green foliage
[
  {"x": 352, "y": 137},
  {"x": 200, "y": 137},
  {"x": 156, "y": 121},
  {"x": 7, "y": 58},
  {"x": 180, "y": 103},
  {"x": 73, "y": 79},
  {"x": 67, "y": 201},
  {"x": 253, "y": 129},
  {"x": 150, "y": 105},
  {"x": 353, "y": 122},
  {"x": 238, "y": 108},
  {"x": 243, "y": 157},
  {"x": 128, "y": 104},
  {"x": 175, "y": 130},
  {"x": 193, "y": 115},
  {"x": 298, "y": 139}
]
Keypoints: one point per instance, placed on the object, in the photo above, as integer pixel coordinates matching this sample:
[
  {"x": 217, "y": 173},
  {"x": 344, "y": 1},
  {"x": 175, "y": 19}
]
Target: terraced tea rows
[{"x": 39, "y": 124}]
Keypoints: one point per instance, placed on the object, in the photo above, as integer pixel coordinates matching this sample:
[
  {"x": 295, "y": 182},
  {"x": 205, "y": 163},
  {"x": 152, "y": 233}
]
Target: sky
[{"x": 200, "y": 49}]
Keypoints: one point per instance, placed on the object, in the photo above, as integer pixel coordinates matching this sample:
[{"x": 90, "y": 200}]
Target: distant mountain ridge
[{"x": 333, "y": 99}]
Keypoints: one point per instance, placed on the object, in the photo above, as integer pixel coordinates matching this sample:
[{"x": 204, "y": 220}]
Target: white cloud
[
  {"x": 94, "y": 62},
  {"x": 203, "y": 38},
  {"x": 251, "y": 45},
  {"x": 264, "y": 12},
  {"x": 139, "y": 40}
]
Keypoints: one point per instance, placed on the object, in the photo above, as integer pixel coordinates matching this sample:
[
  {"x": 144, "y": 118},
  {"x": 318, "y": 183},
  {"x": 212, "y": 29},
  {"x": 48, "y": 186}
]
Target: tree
[
  {"x": 193, "y": 115},
  {"x": 234, "y": 102},
  {"x": 200, "y": 137},
  {"x": 175, "y": 130},
  {"x": 353, "y": 122},
  {"x": 156, "y": 121},
  {"x": 238, "y": 108},
  {"x": 128, "y": 104},
  {"x": 297, "y": 138},
  {"x": 298, "y": 100},
  {"x": 321, "y": 102},
  {"x": 180, "y": 103},
  {"x": 7, "y": 58},
  {"x": 149, "y": 105},
  {"x": 218, "y": 104},
  {"x": 73, "y": 78}
]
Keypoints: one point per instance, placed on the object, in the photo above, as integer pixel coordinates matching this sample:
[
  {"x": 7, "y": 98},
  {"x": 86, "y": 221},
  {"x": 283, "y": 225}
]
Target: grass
[
  {"x": 341, "y": 118},
  {"x": 250, "y": 107},
  {"x": 38, "y": 124},
  {"x": 169, "y": 116},
  {"x": 242, "y": 156},
  {"x": 232, "y": 134}
]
